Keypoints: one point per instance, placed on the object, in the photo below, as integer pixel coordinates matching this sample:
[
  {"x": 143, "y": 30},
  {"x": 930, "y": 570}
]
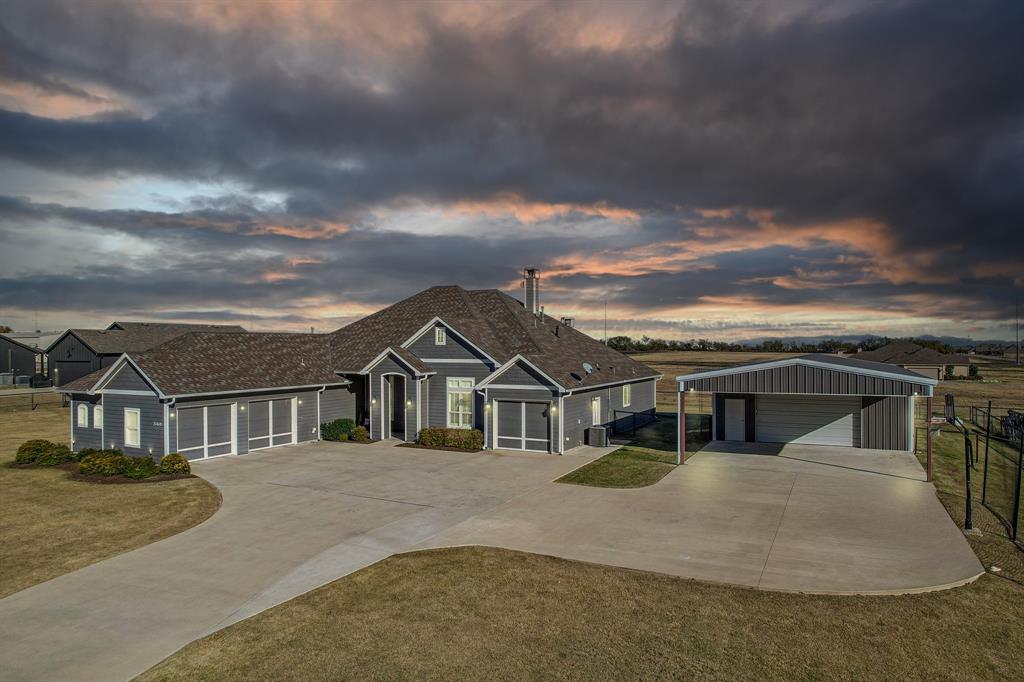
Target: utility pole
[
  {"x": 1016, "y": 328},
  {"x": 606, "y": 322}
]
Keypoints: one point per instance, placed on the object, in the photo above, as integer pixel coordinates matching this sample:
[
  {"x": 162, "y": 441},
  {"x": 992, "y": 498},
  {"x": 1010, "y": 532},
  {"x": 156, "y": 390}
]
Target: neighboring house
[
  {"x": 814, "y": 399},
  {"x": 17, "y": 359},
  {"x": 925, "y": 361},
  {"x": 78, "y": 352},
  {"x": 445, "y": 357}
]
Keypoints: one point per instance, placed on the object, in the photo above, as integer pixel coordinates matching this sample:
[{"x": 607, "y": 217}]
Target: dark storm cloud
[{"x": 908, "y": 114}]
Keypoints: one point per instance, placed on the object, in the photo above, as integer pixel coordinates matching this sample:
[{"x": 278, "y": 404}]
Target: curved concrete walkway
[{"x": 295, "y": 518}]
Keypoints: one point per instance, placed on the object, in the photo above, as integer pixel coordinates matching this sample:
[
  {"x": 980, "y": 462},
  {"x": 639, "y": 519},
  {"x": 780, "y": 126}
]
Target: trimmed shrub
[
  {"x": 360, "y": 434},
  {"x": 104, "y": 463},
  {"x": 336, "y": 429},
  {"x": 58, "y": 454},
  {"x": 31, "y": 450},
  {"x": 464, "y": 439},
  {"x": 175, "y": 464},
  {"x": 138, "y": 468},
  {"x": 85, "y": 452},
  {"x": 343, "y": 437}
]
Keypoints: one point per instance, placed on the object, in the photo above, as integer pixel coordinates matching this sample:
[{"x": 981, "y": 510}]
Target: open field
[
  {"x": 480, "y": 613},
  {"x": 50, "y": 525}
]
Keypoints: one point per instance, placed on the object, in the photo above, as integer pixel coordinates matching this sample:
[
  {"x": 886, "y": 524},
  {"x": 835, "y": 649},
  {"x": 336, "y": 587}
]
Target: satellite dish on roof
[{"x": 588, "y": 368}]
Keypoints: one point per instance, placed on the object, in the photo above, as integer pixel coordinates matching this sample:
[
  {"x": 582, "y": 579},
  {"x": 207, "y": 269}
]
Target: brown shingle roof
[
  {"x": 204, "y": 362},
  {"x": 83, "y": 384},
  {"x": 497, "y": 324},
  {"x": 137, "y": 337},
  {"x": 909, "y": 353}
]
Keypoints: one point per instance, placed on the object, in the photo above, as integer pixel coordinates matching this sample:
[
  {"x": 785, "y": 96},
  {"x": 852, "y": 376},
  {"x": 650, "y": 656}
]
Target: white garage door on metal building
[{"x": 811, "y": 420}]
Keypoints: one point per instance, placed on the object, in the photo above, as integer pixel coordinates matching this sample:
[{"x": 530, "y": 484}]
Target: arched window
[{"x": 83, "y": 415}]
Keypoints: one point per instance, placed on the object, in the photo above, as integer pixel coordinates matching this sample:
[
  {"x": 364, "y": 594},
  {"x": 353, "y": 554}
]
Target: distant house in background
[
  {"x": 78, "y": 352},
  {"x": 924, "y": 361},
  {"x": 19, "y": 361}
]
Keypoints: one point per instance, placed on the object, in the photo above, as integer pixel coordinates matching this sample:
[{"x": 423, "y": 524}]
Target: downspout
[
  {"x": 318, "y": 395},
  {"x": 167, "y": 425}
]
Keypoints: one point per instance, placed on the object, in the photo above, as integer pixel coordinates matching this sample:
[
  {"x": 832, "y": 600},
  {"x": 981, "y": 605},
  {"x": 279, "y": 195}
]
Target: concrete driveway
[
  {"x": 292, "y": 519},
  {"x": 794, "y": 518},
  {"x": 297, "y": 517}
]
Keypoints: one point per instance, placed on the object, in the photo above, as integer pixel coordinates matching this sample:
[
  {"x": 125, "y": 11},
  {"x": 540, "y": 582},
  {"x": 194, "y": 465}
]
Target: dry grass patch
[
  {"x": 477, "y": 613},
  {"x": 51, "y": 525}
]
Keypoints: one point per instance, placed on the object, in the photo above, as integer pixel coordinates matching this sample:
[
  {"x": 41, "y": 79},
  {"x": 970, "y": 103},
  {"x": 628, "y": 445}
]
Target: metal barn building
[{"x": 812, "y": 399}]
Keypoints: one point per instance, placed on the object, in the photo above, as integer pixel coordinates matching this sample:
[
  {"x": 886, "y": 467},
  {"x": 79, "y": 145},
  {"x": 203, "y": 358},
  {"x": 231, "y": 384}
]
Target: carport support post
[
  {"x": 681, "y": 445},
  {"x": 928, "y": 433}
]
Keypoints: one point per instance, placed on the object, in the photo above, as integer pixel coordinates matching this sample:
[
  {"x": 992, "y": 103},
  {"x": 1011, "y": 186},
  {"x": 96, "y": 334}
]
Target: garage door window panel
[{"x": 281, "y": 421}]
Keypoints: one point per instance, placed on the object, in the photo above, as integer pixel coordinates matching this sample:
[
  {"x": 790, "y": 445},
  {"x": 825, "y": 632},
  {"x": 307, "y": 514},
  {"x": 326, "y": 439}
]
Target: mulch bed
[
  {"x": 424, "y": 447},
  {"x": 72, "y": 470}
]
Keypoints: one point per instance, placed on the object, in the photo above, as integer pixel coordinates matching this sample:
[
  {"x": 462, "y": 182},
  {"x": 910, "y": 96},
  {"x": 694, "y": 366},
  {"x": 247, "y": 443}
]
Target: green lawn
[
  {"x": 648, "y": 458},
  {"x": 50, "y": 525},
  {"x": 481, "y": 613}
]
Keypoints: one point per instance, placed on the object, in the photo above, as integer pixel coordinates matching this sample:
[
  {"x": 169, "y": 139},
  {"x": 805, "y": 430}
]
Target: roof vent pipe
[{"x": 531, "y": 285}]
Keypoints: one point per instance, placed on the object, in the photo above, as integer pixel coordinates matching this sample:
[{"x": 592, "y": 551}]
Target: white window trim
[
  {"x": 82, "y": 415},
  {"x": 627, "y": 395},
  {"x": 97, "y": 416},
  {"x": 595, "y": 411},
  {"x": 440, "y": 336},
  {"x": 138, "y": 432},
  {"x": 447, "y": 401}
]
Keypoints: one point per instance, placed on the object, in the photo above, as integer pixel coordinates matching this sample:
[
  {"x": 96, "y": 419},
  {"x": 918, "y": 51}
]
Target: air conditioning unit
[{"x": 597, "y": 436}]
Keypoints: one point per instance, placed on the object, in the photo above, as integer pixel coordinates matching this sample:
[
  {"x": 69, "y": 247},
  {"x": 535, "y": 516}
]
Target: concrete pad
[
  {"x": 794, "y": 518},
  {"x": 294, "y": 518}
]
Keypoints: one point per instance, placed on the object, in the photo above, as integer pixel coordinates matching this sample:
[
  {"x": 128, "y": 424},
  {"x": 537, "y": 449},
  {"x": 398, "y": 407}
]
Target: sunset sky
[{"x": 711, "y": 169}]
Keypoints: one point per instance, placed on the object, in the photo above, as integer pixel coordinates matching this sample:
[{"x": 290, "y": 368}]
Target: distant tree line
[{"x": 648, "y": 344}]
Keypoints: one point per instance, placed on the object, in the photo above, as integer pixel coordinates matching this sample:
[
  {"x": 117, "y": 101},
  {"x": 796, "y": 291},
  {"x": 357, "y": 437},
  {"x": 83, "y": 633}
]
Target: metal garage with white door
[{"x": 814, "y": 399}]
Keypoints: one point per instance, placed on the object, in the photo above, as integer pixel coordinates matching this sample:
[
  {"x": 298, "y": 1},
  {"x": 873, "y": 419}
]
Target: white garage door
[{"x": 813, "y": 420}]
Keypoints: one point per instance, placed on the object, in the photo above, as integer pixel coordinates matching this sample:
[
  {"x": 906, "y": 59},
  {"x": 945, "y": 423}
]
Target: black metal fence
[{"x": 1002, "y": 439}]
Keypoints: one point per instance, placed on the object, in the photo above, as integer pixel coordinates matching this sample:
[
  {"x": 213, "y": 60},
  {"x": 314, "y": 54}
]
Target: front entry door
[{"x": 735, "y": 419}]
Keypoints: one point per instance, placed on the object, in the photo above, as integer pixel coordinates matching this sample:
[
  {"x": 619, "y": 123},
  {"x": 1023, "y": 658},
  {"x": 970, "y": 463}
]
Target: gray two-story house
[{"x": 446, "y": 357}]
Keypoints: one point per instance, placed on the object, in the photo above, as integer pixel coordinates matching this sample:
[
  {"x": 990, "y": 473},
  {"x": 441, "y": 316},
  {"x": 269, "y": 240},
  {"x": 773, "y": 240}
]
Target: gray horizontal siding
[
  {"x": 127, "y": 379},
  {"x": 520, "y": 375},
  {"x": 453, "y": 349},
  {"x": 85, "y": 436},
  {"x": 803, "y": 379},
  {"x": 338, "y": 403},
  {"x": 151, "y": 423},
  {"x": 436, "y": 390}
]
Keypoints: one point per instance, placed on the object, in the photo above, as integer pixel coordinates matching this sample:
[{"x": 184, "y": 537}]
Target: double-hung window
[
  {"x": 82, "y": 418},
  {"x": 627, "y": 395},
  {"x": 595, "y": 412},
  {"x": 440, "y": 336},
  {"x": 460, "y": 403},
  {"x": 97, "y": 417},
  {"x": 131, "y": 427}
]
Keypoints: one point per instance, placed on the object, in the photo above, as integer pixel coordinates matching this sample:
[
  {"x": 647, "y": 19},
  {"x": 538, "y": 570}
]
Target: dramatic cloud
[{"x": 707, "y": 168}]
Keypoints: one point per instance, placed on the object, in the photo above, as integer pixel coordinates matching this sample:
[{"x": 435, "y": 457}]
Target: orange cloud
[{"x": 534, "y": 211}]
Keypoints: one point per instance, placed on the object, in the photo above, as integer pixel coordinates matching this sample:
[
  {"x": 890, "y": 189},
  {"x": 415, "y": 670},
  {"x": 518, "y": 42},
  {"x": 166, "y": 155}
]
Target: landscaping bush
[
  {"x": 360, "y": 434},
  {"x": 464, "y": 439},
  {"x": 343, "y": 437},
  {"x": 85, "y": 452},
  {"x": 31, "y": 450},
  {"x": 174, "y": 464},
  {"x": 57, "y": 454},
  {"x": 138, "y": 468},
  {"x": 336, "y": 429},
  {"x": 104, "y": 463}
]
